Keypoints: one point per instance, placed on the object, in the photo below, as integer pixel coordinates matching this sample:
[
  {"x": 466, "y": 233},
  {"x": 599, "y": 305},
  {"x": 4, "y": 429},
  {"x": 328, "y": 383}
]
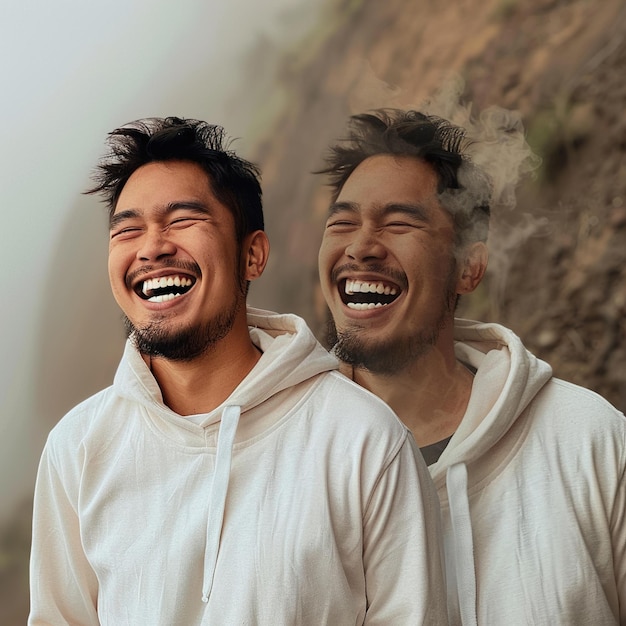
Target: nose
[
  {"x": 364, "y": 245},
  {"x": 155, "y": 244}
]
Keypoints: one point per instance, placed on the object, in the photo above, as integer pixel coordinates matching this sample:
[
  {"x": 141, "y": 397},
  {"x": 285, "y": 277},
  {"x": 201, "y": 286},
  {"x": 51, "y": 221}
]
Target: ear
[
  {"x": 255, "y": 251},
  {"x": 473, "y": 263}
]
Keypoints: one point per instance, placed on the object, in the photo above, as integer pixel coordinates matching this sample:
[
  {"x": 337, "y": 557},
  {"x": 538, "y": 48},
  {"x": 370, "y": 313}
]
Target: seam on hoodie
[
  {"x": 621, "y": 482},
  {"x": 383, "y": 471},
  {"x": 588, "y": 393},
  {"x": 86, "y": 415}
]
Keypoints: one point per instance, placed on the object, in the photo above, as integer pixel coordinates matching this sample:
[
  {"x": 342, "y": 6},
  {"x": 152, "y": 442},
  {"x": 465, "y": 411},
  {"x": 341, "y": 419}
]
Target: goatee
[
  {"x": 184, "y": 343},
  {"x": 384, "y": 357},
  {"x": 165, "y": 339},
  {"x": 387, "y": 357}
]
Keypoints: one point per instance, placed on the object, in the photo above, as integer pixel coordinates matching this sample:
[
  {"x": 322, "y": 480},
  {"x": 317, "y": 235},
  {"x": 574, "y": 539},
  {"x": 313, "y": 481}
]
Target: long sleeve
[
  {"x": 402, "y": 546},
  {"x": 618, "y": 531},
  {"x": 63, "y": 586}
]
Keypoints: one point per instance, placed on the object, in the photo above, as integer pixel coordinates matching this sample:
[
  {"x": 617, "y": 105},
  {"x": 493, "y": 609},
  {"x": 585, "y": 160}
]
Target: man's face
[
  {"x": 387, "y": 265},
  {"x": 174, "y": 261}
]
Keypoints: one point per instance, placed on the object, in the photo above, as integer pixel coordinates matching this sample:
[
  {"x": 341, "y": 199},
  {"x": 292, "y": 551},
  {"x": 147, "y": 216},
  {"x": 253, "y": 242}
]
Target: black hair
[
  {"x": 234, "y": 181},
  {"x": 463, "y": 190}
]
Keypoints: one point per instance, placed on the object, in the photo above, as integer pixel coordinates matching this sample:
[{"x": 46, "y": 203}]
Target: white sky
[{"x": 71, "y": 71}]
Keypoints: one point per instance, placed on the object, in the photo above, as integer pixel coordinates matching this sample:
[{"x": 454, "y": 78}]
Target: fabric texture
[
  {"x": 533, "y": 494},
  {"x": 301, "y": 500}
]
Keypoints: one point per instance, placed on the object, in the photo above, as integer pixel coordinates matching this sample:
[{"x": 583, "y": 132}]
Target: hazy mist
[{"x": 71, "y": 72}]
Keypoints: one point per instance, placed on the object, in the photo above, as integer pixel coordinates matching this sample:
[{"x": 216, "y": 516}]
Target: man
[
  {"x": 229, "y": 475},
  {"x": 530, "y": 470}
]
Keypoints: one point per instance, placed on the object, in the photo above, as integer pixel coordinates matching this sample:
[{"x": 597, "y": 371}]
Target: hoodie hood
[
  {"x": 507, "y": 378},
  {"x": 291, "y": 355}
]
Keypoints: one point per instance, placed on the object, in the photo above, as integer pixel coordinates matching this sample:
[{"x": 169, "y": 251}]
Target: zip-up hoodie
[
  {"x": 294, "y": 502},
  {"x": 533, "y": 494}
]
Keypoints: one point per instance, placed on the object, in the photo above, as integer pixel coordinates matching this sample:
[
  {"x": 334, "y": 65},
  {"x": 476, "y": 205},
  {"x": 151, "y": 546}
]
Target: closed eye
[
  {"x": 341, "y": 228},
  {"x": 183, "y": 221},
  {"x": 401, "y": 227},
  {"x": 342, "y": 223},
  {"x": 125, "y": 232}
]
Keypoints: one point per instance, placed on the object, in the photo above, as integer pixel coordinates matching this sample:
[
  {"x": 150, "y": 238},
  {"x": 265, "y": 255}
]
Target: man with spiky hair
[
  {"x": 230, "y": 475},
  {"x": 530, "y": 470}
]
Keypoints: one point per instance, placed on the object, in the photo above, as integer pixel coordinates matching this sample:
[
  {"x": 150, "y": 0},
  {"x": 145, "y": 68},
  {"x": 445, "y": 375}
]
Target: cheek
[
  {"x": 117, "y": 267},
  {"x": 329, "y": 251}
]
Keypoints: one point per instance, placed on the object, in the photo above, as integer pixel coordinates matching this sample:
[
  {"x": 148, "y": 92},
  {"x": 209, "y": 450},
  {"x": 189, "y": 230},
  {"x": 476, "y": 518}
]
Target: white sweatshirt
[
  {"x": 533, "y": 494},
  {"x": 302, "y": 500}
]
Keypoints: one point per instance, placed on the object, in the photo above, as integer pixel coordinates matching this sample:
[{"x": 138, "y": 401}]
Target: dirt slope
[{"x": 557, "y": 270}]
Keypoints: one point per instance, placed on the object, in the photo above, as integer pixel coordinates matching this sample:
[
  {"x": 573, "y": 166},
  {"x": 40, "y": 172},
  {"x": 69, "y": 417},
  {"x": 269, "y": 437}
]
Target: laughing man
[
  {"x": 229, "y": 475},
  {"x": 530, "y": 469}
]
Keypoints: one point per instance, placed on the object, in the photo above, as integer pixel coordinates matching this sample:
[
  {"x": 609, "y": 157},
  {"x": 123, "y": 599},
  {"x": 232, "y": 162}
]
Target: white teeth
[
  {"x": 164, "y": 298},
  {"x": 165, "y": 281},
  {"x": 358, "y": 286},
  {"x": 362, "y": 306}
]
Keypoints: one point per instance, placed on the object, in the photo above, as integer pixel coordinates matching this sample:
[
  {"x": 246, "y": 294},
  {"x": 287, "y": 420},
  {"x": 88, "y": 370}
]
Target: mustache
[
  {"x": 189, "y": 267},
  {"x": 393, "y": 275}
]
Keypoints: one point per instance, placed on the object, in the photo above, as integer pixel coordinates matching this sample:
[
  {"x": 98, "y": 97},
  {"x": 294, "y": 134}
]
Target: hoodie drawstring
[
  {"x": 219, "y": 489},
  {"x": 459, "y": 550}
]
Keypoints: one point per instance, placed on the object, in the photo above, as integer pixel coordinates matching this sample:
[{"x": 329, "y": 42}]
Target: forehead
[
  {"x": 385, "y": 178},
  {"x": 161, "y": 183}
]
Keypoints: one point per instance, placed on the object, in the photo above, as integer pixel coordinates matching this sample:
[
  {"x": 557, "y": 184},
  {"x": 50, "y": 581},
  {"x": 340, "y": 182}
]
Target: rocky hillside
[{"x": 557, "y": 274}]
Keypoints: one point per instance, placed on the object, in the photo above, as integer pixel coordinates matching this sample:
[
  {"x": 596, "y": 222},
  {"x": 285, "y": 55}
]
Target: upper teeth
[
  {"x": 165, "y": 281},
  {"x": 358, "y": 286}
]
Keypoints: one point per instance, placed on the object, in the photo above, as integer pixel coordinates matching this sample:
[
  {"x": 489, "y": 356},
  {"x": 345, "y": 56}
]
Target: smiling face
[
  {"x": 175, "y": 266},
  {"x": 387, "y": 265}
]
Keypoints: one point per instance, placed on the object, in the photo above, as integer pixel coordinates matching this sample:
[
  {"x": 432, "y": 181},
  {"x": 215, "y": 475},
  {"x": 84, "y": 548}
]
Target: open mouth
[
  {"x": 362, "y": 295},
  {"x": 164, "y": 288}
]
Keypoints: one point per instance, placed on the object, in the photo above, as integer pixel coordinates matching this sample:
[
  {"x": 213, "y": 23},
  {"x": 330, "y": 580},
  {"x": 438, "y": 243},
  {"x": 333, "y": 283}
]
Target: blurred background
[{"x": 283, "y": 76}]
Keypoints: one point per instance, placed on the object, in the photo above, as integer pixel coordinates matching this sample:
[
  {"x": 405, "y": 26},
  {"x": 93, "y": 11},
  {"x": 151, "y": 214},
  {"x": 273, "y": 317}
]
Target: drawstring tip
[{"x": 205, "y": 599}]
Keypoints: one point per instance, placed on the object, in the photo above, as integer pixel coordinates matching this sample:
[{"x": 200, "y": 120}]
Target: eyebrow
[
  {"x": 337, "y": 207},
  {"x": 415, "y": 211},
  {"x": 190, "y": 205}
]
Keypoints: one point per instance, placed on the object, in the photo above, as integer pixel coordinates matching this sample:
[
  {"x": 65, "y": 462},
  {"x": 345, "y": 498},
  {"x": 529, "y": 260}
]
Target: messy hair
[
  {"x": 233, "y": 180},
  {"x": 463, "y": 189}
]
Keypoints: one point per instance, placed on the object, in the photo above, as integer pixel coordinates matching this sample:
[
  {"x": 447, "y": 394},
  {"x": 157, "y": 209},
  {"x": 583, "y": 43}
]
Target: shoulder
[
  {"x": 345, "y": 393},
  {"x": 568, "y": 416},
  {"x": 580, "y": 405},
  {"x": 83, "y": 422},
  {"x": 342, "y": 406}
]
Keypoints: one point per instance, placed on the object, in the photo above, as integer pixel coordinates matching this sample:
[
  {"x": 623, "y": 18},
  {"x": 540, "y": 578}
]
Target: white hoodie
[
  {"x": 533, "y": 494},
  {"x": 299, "y": 501}
]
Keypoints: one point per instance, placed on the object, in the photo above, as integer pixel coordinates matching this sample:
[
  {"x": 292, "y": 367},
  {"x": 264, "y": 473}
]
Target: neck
[
  {"x": 430, "y": 395},
  {"x": 201, "y": 385}
]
